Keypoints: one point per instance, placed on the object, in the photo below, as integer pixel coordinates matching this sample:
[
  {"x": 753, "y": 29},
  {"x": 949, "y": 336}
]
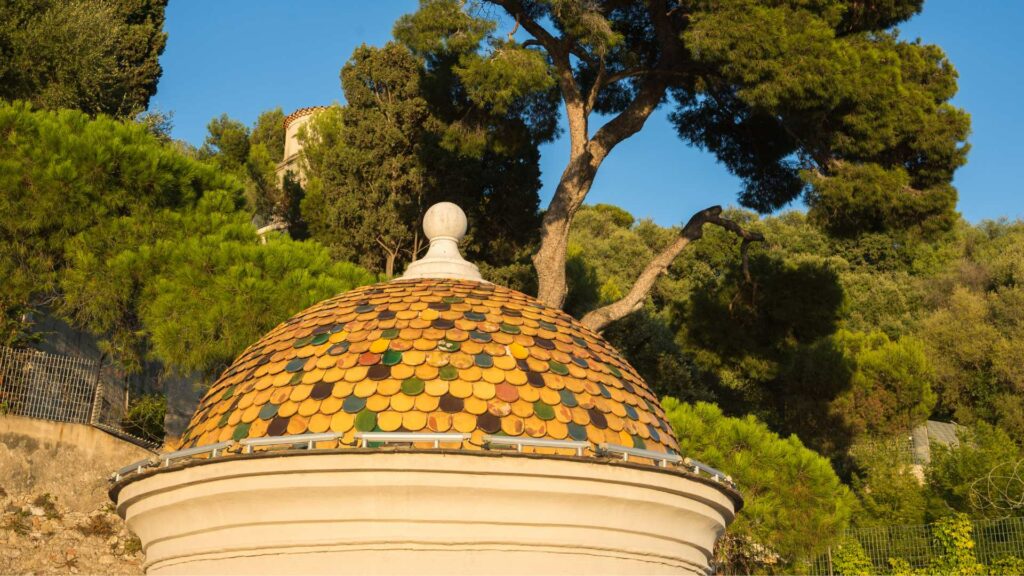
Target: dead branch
[{"x": 596, "y": 320}]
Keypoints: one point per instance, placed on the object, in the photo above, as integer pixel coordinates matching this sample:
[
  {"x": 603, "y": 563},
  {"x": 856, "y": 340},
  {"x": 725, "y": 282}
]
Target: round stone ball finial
[
  {"x": 445, "y": 220},
  {"x": 444, "y": 224}
]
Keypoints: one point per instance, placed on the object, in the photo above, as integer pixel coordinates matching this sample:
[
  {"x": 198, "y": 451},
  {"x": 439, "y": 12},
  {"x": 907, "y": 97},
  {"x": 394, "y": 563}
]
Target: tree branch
[
  {"x": 618, "y": 76},
  {"x": 558, "y": 50},
  {"x": 596, "y": 320},
  {"x": 632, "y": 118},
  {"x": 629, "y": 121},
  {"x": 512, "y": 34},
  {"x": 599, "y": 83}
]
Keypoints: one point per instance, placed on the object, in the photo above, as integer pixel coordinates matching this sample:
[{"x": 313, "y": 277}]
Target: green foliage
[
  {"x": 849, "y": 559},
  {"x": 48, "y": 504},
  {"x": 192, "y": 288},
  {"x": 821, "y": 99},
  {"x": 607, "y": 250},
  {"x": 868, "y": 112},
  {"x": 897, "y": 331},
  {"x": 145, "y": 417},
  {"x": 507, "y": 75},
  {"x": 141, "y": 245},
  {"x": 958, "y": 476},
  {"x": 975, "y": 338},
  {"x": 952, "y": 553},
  {"x": 252, "y": 156},
  {"x": 890, "y": 385},
  {"x": 18, "y": 521},
  {"x": 133, "y": 545},
  {"x": 1007, "y": 566},
  {"x": 227, "y": 142},
  {"x": 98, "y": 56},
  {"x": 62, "y": 173},
  {"x": 269, "y": 132},
  {"x": 887, "y": 488},
  {"x": 413, "y": 132},
  {"x": 612, "y": 249},
  {"x": 900, "y": 567},
  {"x": 366, "y": 207},
  {"x": 794, "y": 504},
  {"x": 953, "y": 548},
  {"x": 831, "y": 339},
  {"x": 98, "y": 526}
]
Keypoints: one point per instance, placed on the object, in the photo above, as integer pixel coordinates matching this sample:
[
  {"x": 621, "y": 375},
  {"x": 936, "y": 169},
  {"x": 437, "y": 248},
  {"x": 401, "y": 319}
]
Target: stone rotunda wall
[{"x": 381, "y": 512}]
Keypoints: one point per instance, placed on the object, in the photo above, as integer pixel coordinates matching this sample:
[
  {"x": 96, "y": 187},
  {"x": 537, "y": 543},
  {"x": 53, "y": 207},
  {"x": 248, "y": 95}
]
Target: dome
[
  {"x": 433, "y": 355},
  {"x": 447, "y": 362}
]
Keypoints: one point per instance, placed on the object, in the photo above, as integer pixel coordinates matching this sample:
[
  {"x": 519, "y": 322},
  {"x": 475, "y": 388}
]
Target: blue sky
[{"x": 241, "y": 57}]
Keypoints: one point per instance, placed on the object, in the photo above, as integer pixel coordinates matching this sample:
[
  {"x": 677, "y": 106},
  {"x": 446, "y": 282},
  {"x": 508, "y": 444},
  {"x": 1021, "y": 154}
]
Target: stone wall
[{"x": 55, "y": 516}]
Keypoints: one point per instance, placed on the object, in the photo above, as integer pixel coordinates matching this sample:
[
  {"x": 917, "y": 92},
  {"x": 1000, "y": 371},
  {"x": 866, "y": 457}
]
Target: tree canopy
[
  {"x": 144, "y": 246},
  {"x": 792, "y": 497},
  {"x": 98, "y": 56},
  {"x": 410, "y": 135},
  {"x": 193, "y": 287},
  {"x": 817, "y": 100},
  {"x": 848, "y": 344},
  {"x": 252, "y": 155}
]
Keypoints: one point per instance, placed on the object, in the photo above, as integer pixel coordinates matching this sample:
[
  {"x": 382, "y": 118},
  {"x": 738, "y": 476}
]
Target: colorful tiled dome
[{"x": 432, "y": 355}]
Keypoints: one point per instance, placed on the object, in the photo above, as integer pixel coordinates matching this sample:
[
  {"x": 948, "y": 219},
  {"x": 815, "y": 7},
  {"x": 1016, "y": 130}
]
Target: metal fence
[
  {"x": 63, "y": 388},
  {"x": 993, "y": 540},
  {"x": 47, "y": 386}
]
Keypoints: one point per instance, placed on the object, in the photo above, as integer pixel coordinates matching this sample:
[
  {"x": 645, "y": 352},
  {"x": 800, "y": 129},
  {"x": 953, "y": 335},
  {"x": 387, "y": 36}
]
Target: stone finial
[{"x": 444, "y": 224}]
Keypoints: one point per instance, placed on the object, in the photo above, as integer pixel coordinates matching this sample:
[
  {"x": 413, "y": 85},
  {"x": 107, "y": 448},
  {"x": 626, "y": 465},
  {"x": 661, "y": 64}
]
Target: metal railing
[
  {"x": 293, "y": 440},
  {"x": 213, "y": 450},
  {"x": 365, "y": 438},
  {"x": 308, "y": 442},
  {"x": 519, "y": 442},
  {"x": 661, "y": 458}
]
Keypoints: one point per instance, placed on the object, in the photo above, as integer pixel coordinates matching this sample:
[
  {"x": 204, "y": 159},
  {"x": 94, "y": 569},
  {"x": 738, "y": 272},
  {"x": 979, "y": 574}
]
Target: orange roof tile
[{"x": 300, "y": 113}]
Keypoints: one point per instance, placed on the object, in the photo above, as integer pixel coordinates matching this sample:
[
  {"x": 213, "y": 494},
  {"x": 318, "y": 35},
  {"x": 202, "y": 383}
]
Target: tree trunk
[
  {"x": 586, "y": 153},
  {"x": 549, "y": 261}
]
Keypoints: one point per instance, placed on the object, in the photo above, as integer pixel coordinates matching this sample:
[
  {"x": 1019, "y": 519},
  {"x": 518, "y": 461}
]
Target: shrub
[
  {"x": 46, "y": 502},
  {"x": 145, "y": 417},
  {"x": 96, "y": 526},
  {"x": 794, "y": 504},
  {"x": 849, "y": 559}
]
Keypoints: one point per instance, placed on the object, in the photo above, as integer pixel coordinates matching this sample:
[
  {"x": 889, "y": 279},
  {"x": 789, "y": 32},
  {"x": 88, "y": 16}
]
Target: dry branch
[{"x": 597, "y": 319}]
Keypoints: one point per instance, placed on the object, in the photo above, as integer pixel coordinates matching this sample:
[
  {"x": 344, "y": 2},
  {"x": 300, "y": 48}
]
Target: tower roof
[
  {"x": 300, "y": 113},
  {"x": 437, "y": 355}
]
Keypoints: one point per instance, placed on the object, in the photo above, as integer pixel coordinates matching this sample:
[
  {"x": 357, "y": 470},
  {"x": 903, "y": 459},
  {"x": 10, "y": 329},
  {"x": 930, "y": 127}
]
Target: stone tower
[{"x": 292, "y": 147}]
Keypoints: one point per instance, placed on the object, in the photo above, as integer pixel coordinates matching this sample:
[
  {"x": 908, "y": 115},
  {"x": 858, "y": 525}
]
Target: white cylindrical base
[{"x": 423, "y": 513}]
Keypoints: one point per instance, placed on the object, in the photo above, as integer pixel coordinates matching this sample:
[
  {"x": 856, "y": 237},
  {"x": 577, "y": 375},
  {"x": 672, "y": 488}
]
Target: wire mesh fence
[
  {"x": 901, "y": 446},
  {"x": 47, "y": 386},
  {"x": 993, "y": 540},
  {"x": 63, "y": 388},
  {"x": 109, "y": 403}
]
